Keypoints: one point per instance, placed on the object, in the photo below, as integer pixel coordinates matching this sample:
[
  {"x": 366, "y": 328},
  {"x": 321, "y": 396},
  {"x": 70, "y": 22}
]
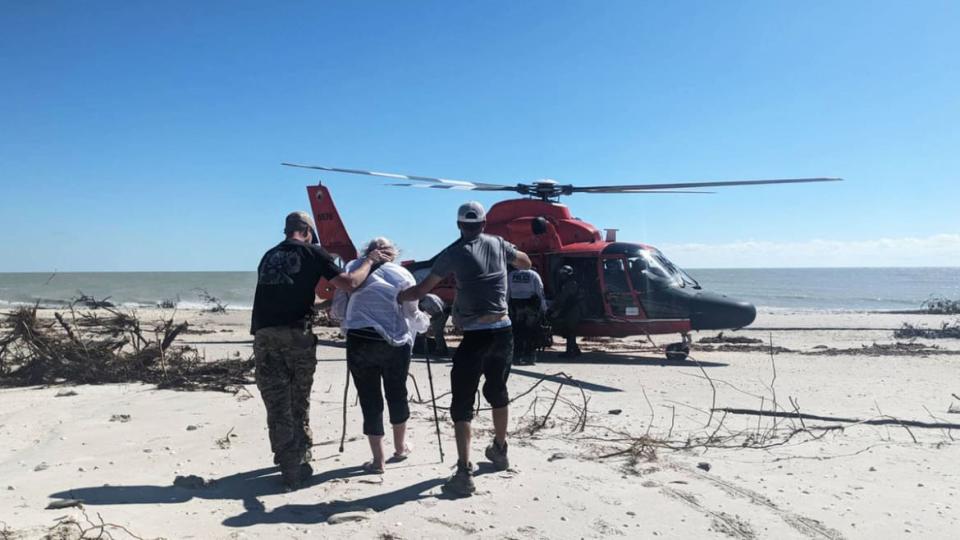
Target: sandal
[
  {"x": 370, "y": 468},
  {"x": 402, "y": 455}
]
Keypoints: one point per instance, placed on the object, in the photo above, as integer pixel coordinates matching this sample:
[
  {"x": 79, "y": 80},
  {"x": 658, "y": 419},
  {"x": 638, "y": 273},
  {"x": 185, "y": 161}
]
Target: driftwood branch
[{"x": 885, "y": 421}]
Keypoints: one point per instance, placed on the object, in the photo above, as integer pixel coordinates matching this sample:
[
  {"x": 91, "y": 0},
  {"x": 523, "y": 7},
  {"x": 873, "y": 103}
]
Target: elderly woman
[{"x": 380, "y": 334}]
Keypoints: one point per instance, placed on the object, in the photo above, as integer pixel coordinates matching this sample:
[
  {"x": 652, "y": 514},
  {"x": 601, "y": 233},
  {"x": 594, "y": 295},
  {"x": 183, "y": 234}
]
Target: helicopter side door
[
  {"x": 585, "y": 272},
  {"x": 620, "y": 298}
]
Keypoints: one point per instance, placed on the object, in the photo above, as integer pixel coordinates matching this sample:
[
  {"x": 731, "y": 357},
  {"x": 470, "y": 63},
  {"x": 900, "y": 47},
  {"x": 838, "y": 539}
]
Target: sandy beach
[{"x": 648, "y": 459}]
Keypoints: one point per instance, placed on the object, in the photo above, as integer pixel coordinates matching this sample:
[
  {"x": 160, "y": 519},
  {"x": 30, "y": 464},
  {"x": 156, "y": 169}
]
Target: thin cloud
[{"x": 936, "y": 250}]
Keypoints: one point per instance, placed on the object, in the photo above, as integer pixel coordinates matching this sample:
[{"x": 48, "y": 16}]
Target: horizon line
[{"x": 688, "y": 268}]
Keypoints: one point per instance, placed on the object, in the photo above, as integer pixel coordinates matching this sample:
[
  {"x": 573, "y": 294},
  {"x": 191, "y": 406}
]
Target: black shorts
[
  {"x": 371, "y": 361},
  {"x": 482, "y": 352}
]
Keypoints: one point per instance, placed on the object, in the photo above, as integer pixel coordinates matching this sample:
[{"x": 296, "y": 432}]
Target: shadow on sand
[{"x": 250, "y": 485}]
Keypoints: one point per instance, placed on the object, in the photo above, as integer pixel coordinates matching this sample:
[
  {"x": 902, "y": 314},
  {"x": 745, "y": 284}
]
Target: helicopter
[{"x": 627, "y": 288}]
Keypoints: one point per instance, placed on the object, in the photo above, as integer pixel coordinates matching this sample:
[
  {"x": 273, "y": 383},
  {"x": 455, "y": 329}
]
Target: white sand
[{"x": 866, "y": 482}]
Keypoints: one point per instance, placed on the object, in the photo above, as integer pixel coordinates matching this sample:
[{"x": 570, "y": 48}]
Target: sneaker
[
  {"x": 498, "y": 456},
  {"x": 461, "y": 483}
]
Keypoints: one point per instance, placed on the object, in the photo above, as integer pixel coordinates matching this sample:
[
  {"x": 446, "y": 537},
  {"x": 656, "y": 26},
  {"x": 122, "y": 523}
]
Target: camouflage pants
[{"x": 286, "y": 361}]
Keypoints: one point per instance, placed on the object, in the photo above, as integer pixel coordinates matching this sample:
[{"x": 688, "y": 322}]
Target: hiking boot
[
  {"x": 498, "y": 456},
  {"x": 461, "y": 483},
  {"x": 292, "y": 476},
  {"x": 572, "y": 351},
  {"x": 306, "y": 471}
]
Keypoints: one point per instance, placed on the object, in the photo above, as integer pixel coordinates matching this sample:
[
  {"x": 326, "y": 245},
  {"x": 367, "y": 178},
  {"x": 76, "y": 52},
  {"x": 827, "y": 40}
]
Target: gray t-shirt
[{"x": 480, "y": 266}]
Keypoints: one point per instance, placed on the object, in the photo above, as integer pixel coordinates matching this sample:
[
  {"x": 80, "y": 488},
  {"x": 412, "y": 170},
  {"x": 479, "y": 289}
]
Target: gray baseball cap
[
  {"x": 296, "y": 221},
  {"x": 471, "y": 212}
]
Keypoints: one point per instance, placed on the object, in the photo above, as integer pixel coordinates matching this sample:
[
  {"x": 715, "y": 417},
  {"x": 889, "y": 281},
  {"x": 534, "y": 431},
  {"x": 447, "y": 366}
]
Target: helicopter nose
[{"x": 717, "y": 312}]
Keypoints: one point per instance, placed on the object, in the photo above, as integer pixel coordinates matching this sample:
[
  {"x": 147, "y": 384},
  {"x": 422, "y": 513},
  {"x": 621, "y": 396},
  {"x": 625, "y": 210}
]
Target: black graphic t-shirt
[{"x": 286, "y": 279}]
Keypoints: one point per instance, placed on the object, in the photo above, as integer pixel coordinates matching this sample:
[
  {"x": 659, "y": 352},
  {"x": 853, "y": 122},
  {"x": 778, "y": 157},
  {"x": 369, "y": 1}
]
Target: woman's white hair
[{"x": 385, "y": 245}]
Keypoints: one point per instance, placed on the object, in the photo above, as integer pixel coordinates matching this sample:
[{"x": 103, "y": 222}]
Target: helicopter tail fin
[{"x": 331, "y": 231}]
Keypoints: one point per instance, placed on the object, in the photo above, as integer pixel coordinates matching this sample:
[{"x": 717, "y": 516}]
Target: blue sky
[{"x": 148, "y": 136}]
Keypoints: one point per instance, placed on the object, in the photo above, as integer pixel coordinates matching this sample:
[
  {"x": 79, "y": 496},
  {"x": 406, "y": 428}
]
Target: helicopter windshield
[
  {"x": 683, "y": 278},
  {"x": 644, "y": 264},
  {"x": 658, "y": 266}
]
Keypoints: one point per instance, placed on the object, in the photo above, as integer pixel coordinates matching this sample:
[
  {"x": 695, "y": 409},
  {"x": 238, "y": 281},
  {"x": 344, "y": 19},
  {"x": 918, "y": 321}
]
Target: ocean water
[{"x": 779, "y": 288}]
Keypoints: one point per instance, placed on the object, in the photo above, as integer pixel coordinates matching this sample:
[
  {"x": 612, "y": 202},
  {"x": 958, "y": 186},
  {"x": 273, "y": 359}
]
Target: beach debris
[
  {"x": 69, "y": 527},
  {"x": 122, "y": 418},
  {"x": 375, "y": 481},
  {"x": 615, "y": 411},
  {"x": 224, "y": 442},
  {"x": 91, "y": 302},
  {"x": 350, "y": 516},
  {"x": 168, "y": 303},
  {"x": 64, "y": 503},
  {"x": 108, "y": 346},
  {"x": 743, "y": 347},
  {"x": 720, "y": 338},
  {"x": 66, "y": 393},
  {"x": 704, "y": 466},
  {"x": 41, "y": 467},
  {"x": 192, "y": 427},
  {"x": 192, "y": 481},
  {"x": 212, "y": 304},
  {"x": 882, "y": 421},
  {"x": 940, "y": 305},
  {"x": 947, "y": 330},
  {"x": 898, "y": 348}
]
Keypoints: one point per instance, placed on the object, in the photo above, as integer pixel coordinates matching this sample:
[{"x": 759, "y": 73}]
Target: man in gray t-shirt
[
  {"x": 479, "y": 263},
  {"x": 480, "y": 266}
]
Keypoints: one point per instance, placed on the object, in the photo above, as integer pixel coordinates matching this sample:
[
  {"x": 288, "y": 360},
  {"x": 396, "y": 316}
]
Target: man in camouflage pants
[{"x": 284, "y": 345}]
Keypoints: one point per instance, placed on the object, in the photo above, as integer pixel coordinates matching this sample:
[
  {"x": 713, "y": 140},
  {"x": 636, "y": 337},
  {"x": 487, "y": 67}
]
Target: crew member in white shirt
[{"x": 527, "y": 306}]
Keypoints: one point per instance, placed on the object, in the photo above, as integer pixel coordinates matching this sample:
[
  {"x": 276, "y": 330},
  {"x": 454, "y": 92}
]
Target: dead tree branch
[{"x": 882, "y": 421}]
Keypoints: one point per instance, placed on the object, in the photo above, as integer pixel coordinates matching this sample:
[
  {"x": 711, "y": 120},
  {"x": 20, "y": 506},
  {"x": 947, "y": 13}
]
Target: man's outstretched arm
[
  {"x": 351, "y": 281},
  {"x": 418, "y": 291}
]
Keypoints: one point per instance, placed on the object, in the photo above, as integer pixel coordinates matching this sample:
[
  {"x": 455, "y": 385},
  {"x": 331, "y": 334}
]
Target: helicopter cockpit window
[
  {"x": 614, "y": 275},
  {"x": 658, "y": 267},
  {"x": 683, "y": 278}
]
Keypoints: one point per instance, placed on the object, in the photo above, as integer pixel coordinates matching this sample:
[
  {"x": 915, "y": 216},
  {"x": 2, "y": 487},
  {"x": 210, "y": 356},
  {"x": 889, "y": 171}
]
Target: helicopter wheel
[{"x": 677, "y": 352}]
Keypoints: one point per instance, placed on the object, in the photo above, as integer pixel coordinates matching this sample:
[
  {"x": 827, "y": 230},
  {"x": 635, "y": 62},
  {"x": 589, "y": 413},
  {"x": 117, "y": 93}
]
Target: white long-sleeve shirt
[{"x": 374, "y": 305}]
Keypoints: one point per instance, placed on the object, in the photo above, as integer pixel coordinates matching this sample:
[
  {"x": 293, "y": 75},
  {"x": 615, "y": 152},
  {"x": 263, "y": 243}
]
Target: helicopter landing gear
[{"x": 678, "y": 352}]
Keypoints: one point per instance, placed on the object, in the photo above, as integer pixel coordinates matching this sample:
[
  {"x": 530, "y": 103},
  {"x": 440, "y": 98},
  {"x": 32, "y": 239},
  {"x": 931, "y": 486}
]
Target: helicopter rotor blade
[
  {"x": 650, "y": 192},
  {"x": 457, "y": 187},
  {"x": 442, "y": 183},
  {"x": 641, "y": 188}
]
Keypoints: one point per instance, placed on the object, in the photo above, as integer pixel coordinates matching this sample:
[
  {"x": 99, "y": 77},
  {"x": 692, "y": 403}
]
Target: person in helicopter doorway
[
  {"x": 564, "y": 313},
  {"x": 527, "y": 307}
]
